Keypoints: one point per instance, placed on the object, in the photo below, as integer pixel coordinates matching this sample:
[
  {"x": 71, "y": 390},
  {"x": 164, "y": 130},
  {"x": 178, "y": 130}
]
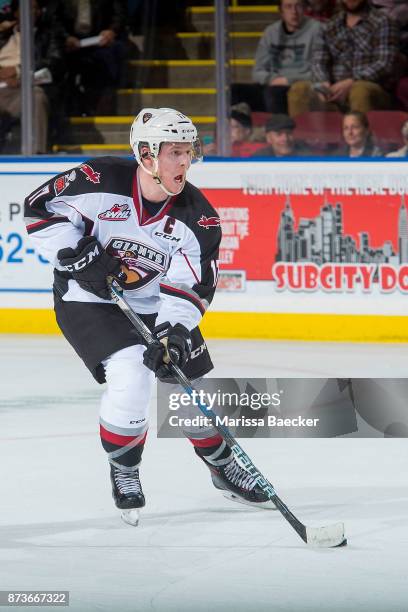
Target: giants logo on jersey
[
  {"x": 148, "y": 255},
  {"x": 144, "y": 263},
  {"x": 118, "y": 212}
]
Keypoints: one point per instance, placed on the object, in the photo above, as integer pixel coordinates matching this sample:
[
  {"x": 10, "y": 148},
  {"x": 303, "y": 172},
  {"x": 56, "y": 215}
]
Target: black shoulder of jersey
[
  {"x": 98, "y": 175},
  {"x": 107, "y": 174},
  {"x": 193, "y": 208}
]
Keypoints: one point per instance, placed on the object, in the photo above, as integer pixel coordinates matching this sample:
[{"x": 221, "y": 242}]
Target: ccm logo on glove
[
  {"x": 85, "y": 261},
  {"x": 90, "y": 265}
]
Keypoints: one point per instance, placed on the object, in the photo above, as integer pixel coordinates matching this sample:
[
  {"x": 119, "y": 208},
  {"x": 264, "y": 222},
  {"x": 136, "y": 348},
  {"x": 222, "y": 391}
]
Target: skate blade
[
  {"x": 269, "y": 505},
  {"x": 131, "y": 516}
]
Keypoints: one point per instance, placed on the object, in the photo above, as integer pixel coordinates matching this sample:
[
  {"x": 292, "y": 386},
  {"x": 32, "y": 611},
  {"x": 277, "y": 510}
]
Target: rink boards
[{"x": 311, "y": 250}]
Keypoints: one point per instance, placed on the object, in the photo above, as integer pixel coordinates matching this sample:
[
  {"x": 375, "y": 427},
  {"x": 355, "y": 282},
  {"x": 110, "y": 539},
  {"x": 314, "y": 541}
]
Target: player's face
[{"x": 174, "y": 161}]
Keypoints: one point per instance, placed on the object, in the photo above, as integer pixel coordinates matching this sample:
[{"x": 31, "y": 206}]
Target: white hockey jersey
[{"x": 174, "y": 252}]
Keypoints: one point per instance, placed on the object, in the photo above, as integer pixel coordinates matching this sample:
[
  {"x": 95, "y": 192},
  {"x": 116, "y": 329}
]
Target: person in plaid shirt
[{"x": 353, "y": 62}]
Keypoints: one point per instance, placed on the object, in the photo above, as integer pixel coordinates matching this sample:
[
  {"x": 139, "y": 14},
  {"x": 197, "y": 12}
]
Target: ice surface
[{"x": 194, "y": 550}]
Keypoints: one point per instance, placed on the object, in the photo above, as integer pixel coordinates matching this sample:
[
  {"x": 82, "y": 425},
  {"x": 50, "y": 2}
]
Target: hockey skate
[
  {"x": 127, "y": 493},
  {"x": 238, "y": 485}
]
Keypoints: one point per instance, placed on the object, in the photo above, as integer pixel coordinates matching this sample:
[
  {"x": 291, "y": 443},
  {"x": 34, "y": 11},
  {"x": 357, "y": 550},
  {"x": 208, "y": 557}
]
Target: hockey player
[{"x": 140, "y": 222}]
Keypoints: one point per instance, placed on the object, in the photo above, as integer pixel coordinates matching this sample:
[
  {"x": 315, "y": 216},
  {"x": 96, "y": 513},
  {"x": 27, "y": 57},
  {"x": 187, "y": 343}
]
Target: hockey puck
[{"x": 343, "y": 543}]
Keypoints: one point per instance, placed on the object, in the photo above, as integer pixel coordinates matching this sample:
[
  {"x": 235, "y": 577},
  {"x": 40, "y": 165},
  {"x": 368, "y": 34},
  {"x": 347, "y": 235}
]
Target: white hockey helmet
[{"x": 153, "y": 126}]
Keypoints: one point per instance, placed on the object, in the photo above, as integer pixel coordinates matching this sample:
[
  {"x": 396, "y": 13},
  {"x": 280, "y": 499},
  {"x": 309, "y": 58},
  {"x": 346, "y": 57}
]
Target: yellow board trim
[
  {"x": 128, "y": 120},
  {"x": 311, "y": 327},
  {"x": 249, "y": 325},
  {"x": 174, "y": 63},
  {"x": 245, "y": 34},
  {"x": 24, "y": 321},
  {"x": 100, "y": 120},
  {"x": 171, "y": 91},
  {"x": 202, "y": 10},
  {"x": 92, "y": 147},
  {"x": 189, "y": 63}
]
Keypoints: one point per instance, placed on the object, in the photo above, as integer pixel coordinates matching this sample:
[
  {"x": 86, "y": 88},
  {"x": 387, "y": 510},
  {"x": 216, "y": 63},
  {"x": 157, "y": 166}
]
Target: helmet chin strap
[{"x": 157, "y": 179}]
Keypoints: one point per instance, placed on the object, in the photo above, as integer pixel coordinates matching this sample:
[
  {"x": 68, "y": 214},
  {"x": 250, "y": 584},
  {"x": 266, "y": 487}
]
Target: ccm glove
[
  {"x": 89, "y": 265},
  {"x": 173, "y": 344}
]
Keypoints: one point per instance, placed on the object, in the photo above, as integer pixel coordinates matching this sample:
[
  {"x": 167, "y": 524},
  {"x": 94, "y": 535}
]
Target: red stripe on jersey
[
  {"x": 118, "y": 439},
  {"x": 37, "y": 223},
  {"x": 205, "y": 442},
  {"x": 190, "y": 266}
]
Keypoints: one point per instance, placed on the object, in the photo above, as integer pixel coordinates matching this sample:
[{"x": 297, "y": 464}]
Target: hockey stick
[{"x": 324, "y": 537}]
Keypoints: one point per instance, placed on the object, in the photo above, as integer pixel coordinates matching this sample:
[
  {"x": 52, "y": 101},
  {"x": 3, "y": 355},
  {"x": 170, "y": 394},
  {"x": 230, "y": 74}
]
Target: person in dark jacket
[
  {"x": 280, "y": 138},
  {"x": 94, "y": 34}
]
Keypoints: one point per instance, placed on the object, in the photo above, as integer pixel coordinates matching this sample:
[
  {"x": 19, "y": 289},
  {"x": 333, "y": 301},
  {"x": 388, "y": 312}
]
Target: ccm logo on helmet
[{"x": 85, "y": 261}]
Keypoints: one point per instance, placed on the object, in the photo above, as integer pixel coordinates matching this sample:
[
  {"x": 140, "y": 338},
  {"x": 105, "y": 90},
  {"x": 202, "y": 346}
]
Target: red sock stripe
[
  {"x": 205, "y": 442},
  {"x": 117, "y": 439}
]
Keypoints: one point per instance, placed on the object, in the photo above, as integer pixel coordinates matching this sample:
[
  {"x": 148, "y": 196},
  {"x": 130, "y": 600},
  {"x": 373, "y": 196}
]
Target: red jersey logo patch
[
  {"x": 62, "y": 182},
  {"x": 208, "y": 222},
  {"x": 90, "y": 173},
  {"x": 118, "y": 212}
]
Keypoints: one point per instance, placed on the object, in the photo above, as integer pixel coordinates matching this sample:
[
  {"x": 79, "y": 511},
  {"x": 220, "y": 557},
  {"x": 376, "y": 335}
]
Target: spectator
[
  {"x": 47, "y": 58},
  {"x": 353, "y": 62},
  {"x": 284, "y": 54},
  {"x": 322, "y": 10},
  {"x": 279, "y": 136},
  {"x": 240, "y": 130},
  {"x": 403, "y": 152},
  {"x": 94, "y": 71},
  {"x": 240, "y": 122},
  {"x": 358, "y": 137},
  {"x": 398, "y": 10}
]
